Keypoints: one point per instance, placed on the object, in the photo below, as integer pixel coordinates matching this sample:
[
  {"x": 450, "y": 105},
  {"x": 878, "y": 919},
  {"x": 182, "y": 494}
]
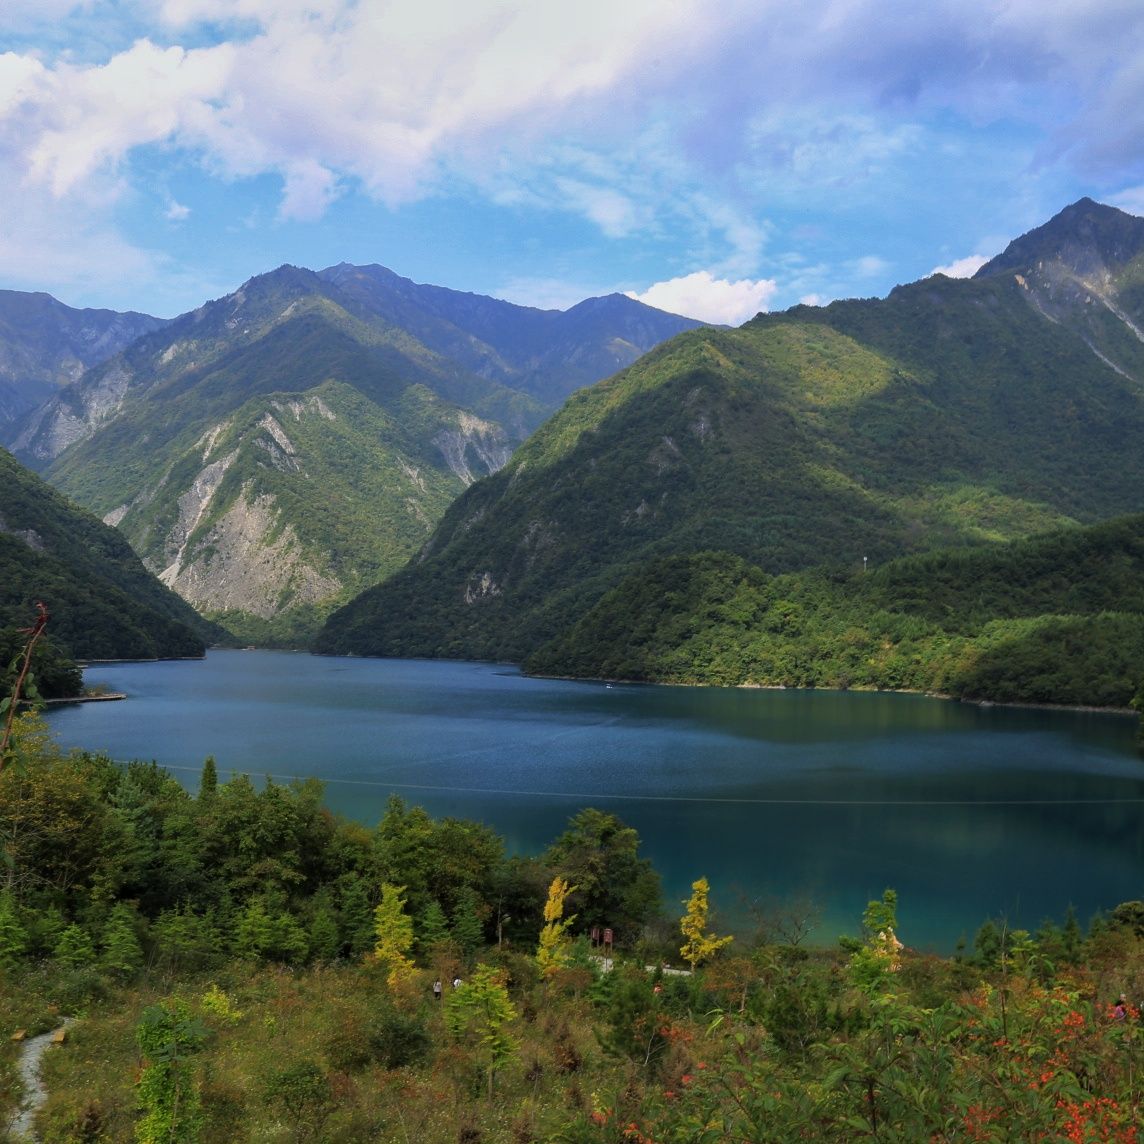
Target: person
[
  {"x": 1120, "y": 1009},
  {"x": 456, "y": 983},
  {"x": 437, "y": 989}
]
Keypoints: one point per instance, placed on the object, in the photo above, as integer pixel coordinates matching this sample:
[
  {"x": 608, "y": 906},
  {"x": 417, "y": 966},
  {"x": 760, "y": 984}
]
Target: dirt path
[{"x": 31, "y": 1051}]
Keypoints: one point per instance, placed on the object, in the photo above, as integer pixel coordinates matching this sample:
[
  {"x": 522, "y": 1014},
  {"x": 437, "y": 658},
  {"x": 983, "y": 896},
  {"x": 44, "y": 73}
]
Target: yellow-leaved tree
[
  {"x": 552, "y": 952},
  {"x": 698, "y": 946},
  {"x": 393, "y": 928}
]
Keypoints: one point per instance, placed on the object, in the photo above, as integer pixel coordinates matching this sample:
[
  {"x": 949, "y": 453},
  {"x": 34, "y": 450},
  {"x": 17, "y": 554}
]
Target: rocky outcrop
[{"x": 248, "y": 561}]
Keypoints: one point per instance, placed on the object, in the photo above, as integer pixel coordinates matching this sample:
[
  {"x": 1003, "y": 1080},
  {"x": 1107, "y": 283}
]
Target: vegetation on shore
[
  {"x": 1055, "y": 619},
  {"x": 244, "y": 965}
]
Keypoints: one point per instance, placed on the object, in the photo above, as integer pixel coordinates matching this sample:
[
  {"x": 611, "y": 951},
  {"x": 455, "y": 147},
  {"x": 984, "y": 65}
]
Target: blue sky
[{"x": 713, "y": 159}]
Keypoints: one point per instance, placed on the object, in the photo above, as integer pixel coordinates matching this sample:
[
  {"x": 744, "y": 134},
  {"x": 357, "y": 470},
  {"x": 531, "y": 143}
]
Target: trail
[{"x": 35, "y": 1094}]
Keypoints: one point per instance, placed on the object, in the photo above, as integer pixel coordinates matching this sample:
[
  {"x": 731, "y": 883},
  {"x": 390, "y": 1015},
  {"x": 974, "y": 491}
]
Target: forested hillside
[
  {"x": 1057, "y": 618},
  {"x": 104, "y": 604}
]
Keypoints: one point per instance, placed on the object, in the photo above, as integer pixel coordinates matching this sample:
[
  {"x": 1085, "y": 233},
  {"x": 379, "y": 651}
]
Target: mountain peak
[{"x": 1085, "y": 238}]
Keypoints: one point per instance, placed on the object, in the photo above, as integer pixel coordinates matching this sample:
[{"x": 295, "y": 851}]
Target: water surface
[{"x": 967, "y": 811}]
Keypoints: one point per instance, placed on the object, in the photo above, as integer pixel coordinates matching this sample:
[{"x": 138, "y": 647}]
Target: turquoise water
[{"x": 775, "y": 796}]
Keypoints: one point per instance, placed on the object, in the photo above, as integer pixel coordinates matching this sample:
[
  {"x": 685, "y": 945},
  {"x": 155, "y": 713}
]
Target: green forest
[
  {"x": 239, "y": 964},
  {"x": 1057, "y": 618}
]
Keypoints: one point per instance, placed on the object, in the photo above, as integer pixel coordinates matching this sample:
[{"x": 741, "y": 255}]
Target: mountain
[
  {"x": 951, "y": 411},
  {"x": 103, "y": 602},
  {"x": 277, "y": 450},
  {"x": 545, "y": 353},
  {"x": 45, "y": 345}
]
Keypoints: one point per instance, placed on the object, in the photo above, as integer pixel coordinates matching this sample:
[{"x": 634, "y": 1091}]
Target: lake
[{"x": 776, "y": 796}]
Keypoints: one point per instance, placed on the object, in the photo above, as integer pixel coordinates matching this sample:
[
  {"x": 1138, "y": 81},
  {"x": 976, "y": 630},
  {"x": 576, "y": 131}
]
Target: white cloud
[
  {"x": 962, "y": 267},
  {"x": 710, "y": 299},
  {"x": 870, "y": 266},
  {"x": 176, "y": 211}
]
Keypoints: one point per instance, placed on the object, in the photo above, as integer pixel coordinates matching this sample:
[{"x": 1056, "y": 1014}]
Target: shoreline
[{"x": 109, "y": 697}]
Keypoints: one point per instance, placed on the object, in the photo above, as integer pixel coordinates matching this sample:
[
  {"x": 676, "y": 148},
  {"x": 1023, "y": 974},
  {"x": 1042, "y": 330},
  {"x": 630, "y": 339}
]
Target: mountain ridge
[
  {"x": 950, "y": 411},
  {"x": 276, "y": 450}
]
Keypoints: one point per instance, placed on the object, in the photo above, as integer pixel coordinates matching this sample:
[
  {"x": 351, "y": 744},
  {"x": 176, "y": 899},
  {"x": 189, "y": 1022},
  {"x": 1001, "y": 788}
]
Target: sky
[{"x": 711, "y": 159}]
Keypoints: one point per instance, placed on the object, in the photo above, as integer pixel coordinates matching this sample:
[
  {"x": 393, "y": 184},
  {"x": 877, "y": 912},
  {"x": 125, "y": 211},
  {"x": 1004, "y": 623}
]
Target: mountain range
[
  {"x": 951, "y": 412},
  {"x": 277, "y": 450}
]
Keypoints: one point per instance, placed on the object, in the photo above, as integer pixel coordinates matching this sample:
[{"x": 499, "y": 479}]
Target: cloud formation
[
  {"x": 706, "y": 129},
  {"x": 701, "y": 295}
]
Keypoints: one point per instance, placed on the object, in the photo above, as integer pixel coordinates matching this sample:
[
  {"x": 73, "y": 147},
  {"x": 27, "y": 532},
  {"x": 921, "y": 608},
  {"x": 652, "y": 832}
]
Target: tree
[
  {"x": 552, "y": 952},
  {"x": 393, "y": 928},
  {"x": 468, "y": 932},
  {"x": 208, "y": 782},
  {"x": 477, "y": 1012},
  {"x": 122, "y": 954},
  {"x": 697, "y": 945},
  {"x": 302, "y": 1091},
  {"x": 22, "y": 686},
  {"x": 75, "y": 947},
  {"x": 880, "y": 953},
  {"x": 432, "y": 926},
  {"x": 13, "y": 935},
  {"x": 615, "y": 887}
]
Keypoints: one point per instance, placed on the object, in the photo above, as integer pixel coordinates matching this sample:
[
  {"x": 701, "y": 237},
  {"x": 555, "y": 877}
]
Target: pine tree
[
  {"x": 75, "y": 947},
  {"x": 468, "y": 932},
  {"x": 432, "y": 926},
  {"x": 698, "y": 946},
  {"x": 324, "y": 940},
  {"x": 355, "y": 915},
  {"x": 122, "y": 953},
  {"x": 208, "y": 783}
]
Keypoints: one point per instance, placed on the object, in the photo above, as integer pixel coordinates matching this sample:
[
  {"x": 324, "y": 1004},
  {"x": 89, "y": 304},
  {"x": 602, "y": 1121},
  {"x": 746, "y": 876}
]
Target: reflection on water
[{"x": 967, "y": 811}]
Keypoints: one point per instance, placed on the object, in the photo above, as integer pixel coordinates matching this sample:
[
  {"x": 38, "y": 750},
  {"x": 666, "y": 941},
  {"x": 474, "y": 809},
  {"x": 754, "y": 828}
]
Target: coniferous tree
[
  {"x": 553, "y": 949},
  {"x": 208, "y": 781},
  {"x": 355, "y": 915},
  {"x": 468, "y": 932},
  {"x": 75, "y": 947},
  {"x": 324, "y": 940},
  {"x": 122, "y": 954},
  {"x": 432, "y": 926},
  {"x": 393, "y": 928}
]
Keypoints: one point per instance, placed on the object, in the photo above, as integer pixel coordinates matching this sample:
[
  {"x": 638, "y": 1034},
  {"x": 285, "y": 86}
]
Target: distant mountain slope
[
  {"x": 103, "y": 603},
  {"x": 545, "y": 353},
  {"x": 951, "y": 411},
  {"x": 274, "y": 451},
  {"x": 45, "y": 345}
]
